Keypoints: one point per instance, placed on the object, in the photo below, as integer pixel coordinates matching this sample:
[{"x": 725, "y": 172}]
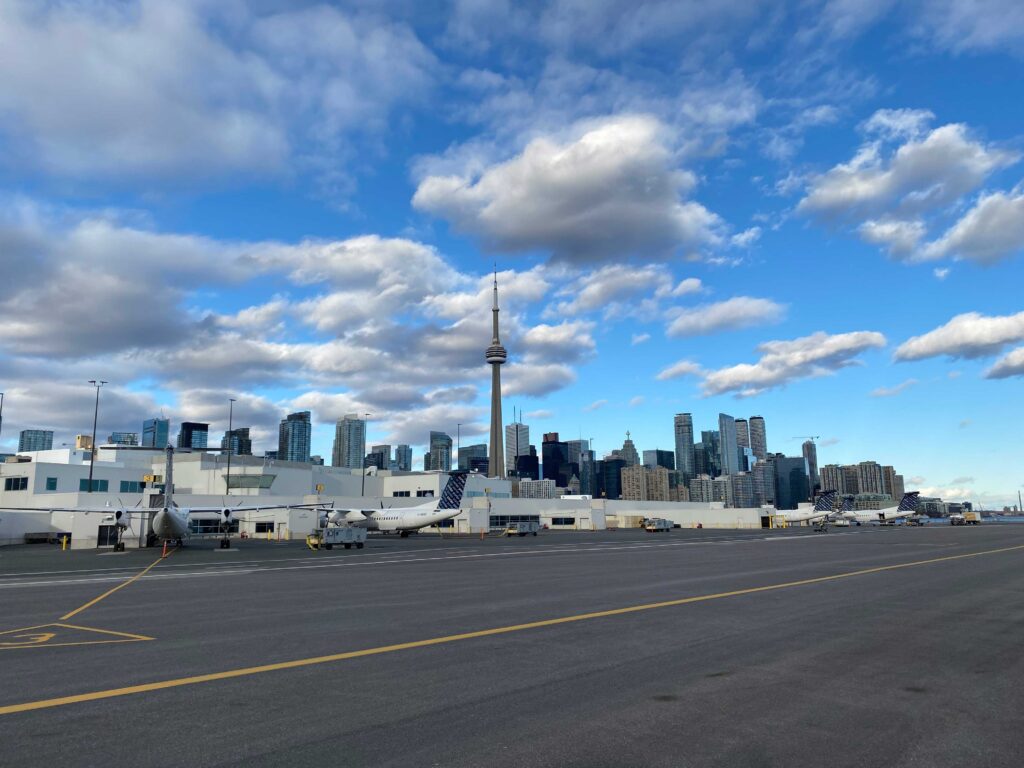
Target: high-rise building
[
  {"x": 758, "y": 438},
  {"x": 869, "y": 477},
  {"x": 193, "y": 434},
  {"x": 712, "y": 461},
  {"x": 35, "y": 440},
  {"x": 379, "y": 457},
  {"x": 810, "y": 451},
  {"x": 700, "y": 488},
  {"x": 629, "y": 453},
  {"x": 473, "y": 458},
  {"x": 851, "y": 479},
  {"x": 403, "y": 458},
  {"x": 237, "y": 441},
  {"x": 294, "y": 437},
  {"x": 349, "y": 442},
  {"x": 657, "y": 481},
  {"x": 634, "y": 482},
  {"x": 536, "y": 489},
  {"x": 555, "y": 460},
  {"x": 742, "y": 433},
  {"x": 729, "y": 454},
  {"x": 659, "y": 458},
  {"x": 440, "y": 451},
  {"x": 764, "y": 482},
  {"x": 611, "y": 477},
  {"x": 496, "y": 356},
  {"x": 517, "y": 443},
  {"x": 833, "y": 479},
  {"x": 528, "y": 466},
  {"x": 156, "y": 433},
  {"x": 792, "y": 485},
  {"x": 685, "y": 459},
  {"x": 123, "y": 438},
  {"x": 744, "y": 490},
  {"x": 892, "y": 483},
  {"x": 721, "y": 490}
]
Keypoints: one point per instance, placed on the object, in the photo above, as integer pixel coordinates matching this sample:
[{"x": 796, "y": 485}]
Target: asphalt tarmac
[{"x": 860, "y": 647}]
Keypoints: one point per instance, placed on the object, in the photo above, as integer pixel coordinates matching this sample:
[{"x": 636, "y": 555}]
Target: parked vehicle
[
  {"x": 522, "y": 529},
  {"x": 657, "y": 525}
]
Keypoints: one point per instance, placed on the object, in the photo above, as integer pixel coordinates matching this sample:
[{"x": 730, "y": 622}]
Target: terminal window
[
  {"x": 51, "y": 483},
  {"x": 264, "y": 527},
  {"x": 400, "y": 493},
  {"x": 424, "y": 494},
  {"x": 15, "y": 483},
  {"x": 98, "y": 486},
  {"x": 563, "y": 521},
  {"x": 132, "y": 486}
]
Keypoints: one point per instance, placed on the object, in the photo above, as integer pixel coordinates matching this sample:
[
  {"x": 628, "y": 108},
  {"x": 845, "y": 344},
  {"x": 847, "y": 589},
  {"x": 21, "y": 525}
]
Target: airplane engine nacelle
[
  {"x": 354, "y": 517},
  {"x": 225, "y": 519},
  {"x": 121, "y": 519}
]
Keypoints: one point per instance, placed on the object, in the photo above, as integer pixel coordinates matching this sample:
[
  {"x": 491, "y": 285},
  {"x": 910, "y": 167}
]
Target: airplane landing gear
[
  {"x": 404, "y": 534},
  {"x": 225, "y": 543}
]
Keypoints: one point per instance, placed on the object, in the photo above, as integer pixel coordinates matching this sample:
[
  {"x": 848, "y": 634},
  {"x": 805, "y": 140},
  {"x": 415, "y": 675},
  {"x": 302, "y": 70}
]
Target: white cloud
[
  {"x": 781, "y": 362},
  {"x": 610, "y": 286},
  {"x": 1010, "y": 364},
  {"x": 681, "y": 368},
  {"x": 900, "y": 238},
  {"x": 640, "y": 338},
  {"x": 893, "y": 391},
  {"x": 596, "y": 405},
  {"x": 580, "y": 199},
  {"x": 686, "y": 287},
  {"x": 535, "y": 379},
  {"x": 969, "y": 335},
  {"x": 941, "y": 273},
  {"x": 899, "y": 123},
  {"x": 539, "y": 414},
  {"x": 992, "y": 230},
  {"x": 923, "y": 173},
  {"x": 194, "y": 90},
  {"x": 635, "y": 401},
  {"x": 746, "y": 238},
  {"x": 973, "y": 25},
  {"x": 731, "y": 314}
]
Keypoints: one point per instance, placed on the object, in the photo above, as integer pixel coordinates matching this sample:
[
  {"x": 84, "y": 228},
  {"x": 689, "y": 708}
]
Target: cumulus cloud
[
  {"x": 193, "y": 90},
  {"x": 640, "y": 338},
  {"x": 1010, "y": 364},
  {"x": 534, "y": 379},
  {"x": 608, "y": 191},
  {"x": 679, "y": 369},
  {"x": 970, "y": 335},
  {"x": 539, "y": 414},
  {"x": 782, "y": 362},
  {"x": 941, "y": 273},
  {"x": 731, "y": 314},
  {"x": 901, "y": 183},
  {"x": 992, "y": 230},
  {"x": 893, "y": 391}
]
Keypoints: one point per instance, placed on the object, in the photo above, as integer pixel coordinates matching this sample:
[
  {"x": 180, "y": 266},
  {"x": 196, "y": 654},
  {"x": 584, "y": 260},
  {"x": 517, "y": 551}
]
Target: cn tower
[{"x": 496, "y": 356}]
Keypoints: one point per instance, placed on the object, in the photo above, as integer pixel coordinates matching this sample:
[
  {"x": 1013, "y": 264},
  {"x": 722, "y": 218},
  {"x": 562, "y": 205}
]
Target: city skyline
[{"x": 827, "y": 235}]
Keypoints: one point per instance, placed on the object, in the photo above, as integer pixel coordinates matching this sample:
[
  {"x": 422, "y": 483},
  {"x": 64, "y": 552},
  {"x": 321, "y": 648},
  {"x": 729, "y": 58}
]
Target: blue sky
[{"x": 812, "y": 211}]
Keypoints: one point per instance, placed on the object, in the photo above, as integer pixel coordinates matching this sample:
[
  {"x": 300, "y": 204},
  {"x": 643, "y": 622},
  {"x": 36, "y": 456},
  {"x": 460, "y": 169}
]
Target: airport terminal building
[{"x": 134, "y": 478}]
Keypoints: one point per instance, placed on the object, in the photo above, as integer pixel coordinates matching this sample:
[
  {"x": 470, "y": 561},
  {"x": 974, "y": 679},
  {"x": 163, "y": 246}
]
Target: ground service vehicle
[
  {"x": 521, "y": 529},
  {"x": 657, "y": 524},
  {"x": 345, "y": 535},
  {"x": 957, "y": 520},
  {"x": 972, "y": 518}
]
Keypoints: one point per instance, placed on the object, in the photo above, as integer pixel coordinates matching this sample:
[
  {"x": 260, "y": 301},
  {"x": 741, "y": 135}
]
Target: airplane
[
  {"x": 906, "y": 508},
  {"x": 822, "y": 509},
  {"x": 403, "y": 520}
]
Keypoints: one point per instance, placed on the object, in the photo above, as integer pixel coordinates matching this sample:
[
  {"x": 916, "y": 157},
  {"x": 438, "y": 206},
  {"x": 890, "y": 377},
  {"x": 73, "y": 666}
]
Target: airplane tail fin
[
  {"x": 847, "y": 504},
  {"x": 825, "y": 502},
  {"x": 451, "y": 497},
  {"x": 909, "y": 502}
]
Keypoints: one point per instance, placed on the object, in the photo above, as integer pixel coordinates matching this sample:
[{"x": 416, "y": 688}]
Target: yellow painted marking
[
  {"x": 298, "y": 663},
  {"x": 36, "y": 637},
  {"x": 109, "y": 592}
]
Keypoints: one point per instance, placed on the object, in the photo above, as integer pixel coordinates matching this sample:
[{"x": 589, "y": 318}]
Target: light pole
[
  {"x": 362, "y": 487},
  {"x": 95, "y": 416},
  {"x": 231, "y": 445},
  {"x": 458, "y": 445}
]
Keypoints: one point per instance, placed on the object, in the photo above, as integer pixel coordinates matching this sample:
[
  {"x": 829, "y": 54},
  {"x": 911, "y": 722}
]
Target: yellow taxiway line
[
  {"x": 298, "y": 663},
  {"x": 109, "y": 592}
]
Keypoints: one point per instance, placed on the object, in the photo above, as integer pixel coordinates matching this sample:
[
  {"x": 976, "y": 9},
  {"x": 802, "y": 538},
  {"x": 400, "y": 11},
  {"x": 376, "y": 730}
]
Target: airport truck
[
  {"x": 972, "y": 518},
  {"x": 657, "y": 525},
  {"x": 345, "y": 535},
  {"x": 522, "y": 528},
  {"x": 957, "y": 520}
]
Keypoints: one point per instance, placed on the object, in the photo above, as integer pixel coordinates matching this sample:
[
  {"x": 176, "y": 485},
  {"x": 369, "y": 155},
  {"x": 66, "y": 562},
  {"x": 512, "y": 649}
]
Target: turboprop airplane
[
  {"x": 906, "y": 508},
  {"x": 822, "y": 509},
  {"x": 406, "y": 519},
  {"x": 170, "y": 523}
]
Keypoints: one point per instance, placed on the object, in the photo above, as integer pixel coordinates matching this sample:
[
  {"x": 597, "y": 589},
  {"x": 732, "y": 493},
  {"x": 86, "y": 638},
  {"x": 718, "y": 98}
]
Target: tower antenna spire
[{"x": 496, "y": 356}]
